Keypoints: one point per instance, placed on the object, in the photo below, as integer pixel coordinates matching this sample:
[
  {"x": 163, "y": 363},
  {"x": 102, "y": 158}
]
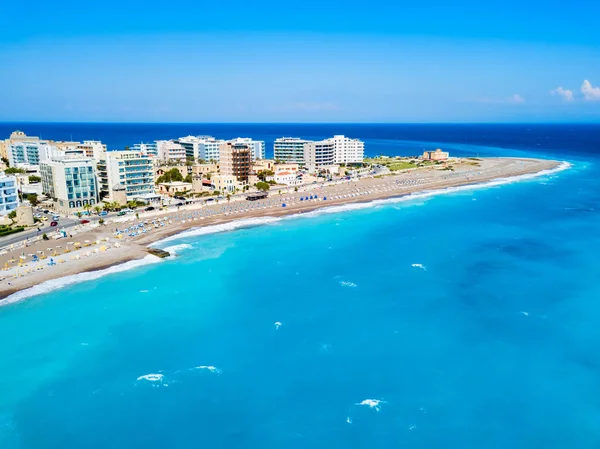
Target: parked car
[
  {"x": 103, "y": 213},
  {"x": 179, "y": 204},
  {"x": 149, "y": 208},
  {"x": 56, "y": 217},
  {"x": 121, "y": 213},
  {"x": 84, "y": 221},
  {"x": 46, "y": 211},
  {"x": 54, "y": 223},
  {"x": 44, "y": 218}
]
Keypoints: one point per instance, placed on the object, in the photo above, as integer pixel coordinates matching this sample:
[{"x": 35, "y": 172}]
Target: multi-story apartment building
[
  {"x": 92, "y": 148},
  {"x": 293, "y": 149},
  {"x": 319, "y": 154},
  {"x": 257, "y": 147},
  {"x": 9, "y": 197},
  {"x": 348, "y": 150},
  {"x": 148, "y": 149},
  {"x": 236, "y": 160},
  {"x": 70, "y": 181},
  {"x": 289, "y": 149},
  {"x": 29, "y": 154},
  {"x": 128, "y": 171},
  {"x": 169, "y": 151},
  {"x": 205, "y": 148},
  {"x": 15, "y": 137}
]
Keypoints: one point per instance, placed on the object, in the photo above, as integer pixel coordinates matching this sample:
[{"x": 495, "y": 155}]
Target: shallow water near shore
[{"x": 466, "y": 320}]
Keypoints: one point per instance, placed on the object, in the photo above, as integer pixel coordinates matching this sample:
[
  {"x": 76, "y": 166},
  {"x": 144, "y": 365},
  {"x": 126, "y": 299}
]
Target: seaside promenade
[{"x": 125, "y": 239}]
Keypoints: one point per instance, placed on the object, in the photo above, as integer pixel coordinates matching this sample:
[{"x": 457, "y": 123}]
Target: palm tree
[
  {"x": 97, "y": 209},
  {"x": 228, "y": 198},
  {"x": 131, "y": 204},
  {"x": 87, "y": 207},
  {"x": 79, "y": 214}
]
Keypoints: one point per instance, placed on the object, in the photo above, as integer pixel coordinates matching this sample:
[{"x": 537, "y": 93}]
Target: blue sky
[{"x": 310, "y": 61}]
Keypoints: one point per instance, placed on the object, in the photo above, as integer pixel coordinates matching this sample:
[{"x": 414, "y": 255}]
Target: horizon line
[{"x": 2, "y": 122}]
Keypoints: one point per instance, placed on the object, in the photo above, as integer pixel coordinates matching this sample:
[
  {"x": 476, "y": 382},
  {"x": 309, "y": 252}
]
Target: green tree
[
  {"x": 6, "y": 161},
  {"x": 45, "y": 237},
  {"x": 262, "y": 175},
  {"x": 34, "y": 179},
  {"x": 97, "y": 209},
  {"x": 14, "y": 171},
  {"x": 188, "y": 178},
  {"x": 12, "y": 214},
  {"x": 131, "y": 204},
  {"x": 79, "y": 214},
  {"x": 263, "y": 186},
  {"x": 228, "y": 197},
  {"x": 172, "y": 175},
  {"x": 33, "y": 199},
  {"x": 101, "y": 221}
]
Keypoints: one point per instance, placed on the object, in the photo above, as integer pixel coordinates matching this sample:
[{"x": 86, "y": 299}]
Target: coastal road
[{"x": 43, "y": 227}]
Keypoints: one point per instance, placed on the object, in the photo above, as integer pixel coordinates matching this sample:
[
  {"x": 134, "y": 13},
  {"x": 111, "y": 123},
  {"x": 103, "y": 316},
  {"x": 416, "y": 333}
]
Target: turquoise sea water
[{"x": 464, "y": 320}]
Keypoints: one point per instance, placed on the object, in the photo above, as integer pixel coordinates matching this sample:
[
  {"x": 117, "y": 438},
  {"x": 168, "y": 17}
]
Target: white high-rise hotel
[
  {"x": 335, "y": 150},
  {"x": 348, "y": 150}
]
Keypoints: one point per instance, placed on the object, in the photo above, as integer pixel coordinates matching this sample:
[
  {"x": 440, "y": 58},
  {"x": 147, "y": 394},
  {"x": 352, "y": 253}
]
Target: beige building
[
  {"x": 227, "y": 183},
  {"x": 437, "y": 155},
  {"x": 162, "y": 169},
  {"x": 263, "y": 165},
  {"x": 286, "y": 166},
  {"x": 204, "y": 169},
  {"x": 173, "y": 188},
  {"x": 24, "y": 215}
]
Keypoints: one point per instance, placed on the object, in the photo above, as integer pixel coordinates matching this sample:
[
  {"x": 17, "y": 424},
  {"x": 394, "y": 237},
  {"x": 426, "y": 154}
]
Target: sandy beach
[{"x": 97, "y": 248}]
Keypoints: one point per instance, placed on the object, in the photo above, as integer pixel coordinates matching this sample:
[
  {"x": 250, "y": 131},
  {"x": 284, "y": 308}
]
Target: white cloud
[
  {"x": 513, "y": 99},
  {"x": 566, "y": 94},
  {"x": 590, "y": 93},
  {"x": 516, "y": 98}
]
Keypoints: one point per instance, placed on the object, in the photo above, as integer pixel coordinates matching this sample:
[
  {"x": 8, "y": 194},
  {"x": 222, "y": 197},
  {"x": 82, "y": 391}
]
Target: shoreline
[{"x": 132, "y": 252}]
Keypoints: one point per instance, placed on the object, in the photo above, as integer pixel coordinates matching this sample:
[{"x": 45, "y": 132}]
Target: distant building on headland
[{"x": 437, "y": 155}]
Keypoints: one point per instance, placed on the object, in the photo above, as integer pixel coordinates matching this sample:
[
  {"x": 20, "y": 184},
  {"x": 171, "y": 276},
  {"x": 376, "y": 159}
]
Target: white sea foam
[
  {"x": 178, "y": 249},
  {"x": 419, "y": 265},
  {"x": 372, "y": 403},
  {"x": 55, "y": 284},
  {"x": 195, "y": 232},
  {"x": 151, "y": 377},
  {"x": 277, "y": 325},
  {"x": 212, "y": 369},
  {"x": 348, "y": 284},
  {"x": 349, "y": 420},
  {"x": 524, "y": 313}
]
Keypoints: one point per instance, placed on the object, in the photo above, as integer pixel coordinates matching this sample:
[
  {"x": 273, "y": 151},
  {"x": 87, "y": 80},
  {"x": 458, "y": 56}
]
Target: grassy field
[
  {"x": 392, "y": 163},
  {"x": 400, "y": 165}
]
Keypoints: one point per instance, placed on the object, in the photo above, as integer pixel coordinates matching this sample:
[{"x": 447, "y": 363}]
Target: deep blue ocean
[{"x": 464, "y": 320}]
